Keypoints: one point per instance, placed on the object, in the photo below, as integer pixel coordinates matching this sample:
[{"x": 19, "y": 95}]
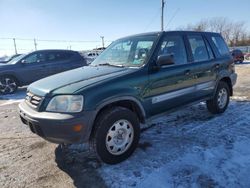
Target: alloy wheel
[{"x": 7, "y": 85}]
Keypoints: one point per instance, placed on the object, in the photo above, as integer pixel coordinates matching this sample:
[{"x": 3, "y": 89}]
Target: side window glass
[
  {"x": 209, "y": 49},
  {"x": 58, "y": 56},
  {"x": 35, "y": 58},
  {"x": 221, "y": 45},
  {"x": 198, "y": 48},
  {"x": 51, "y": 56},
  {"x": 142, "y": 51},
  {"x": 174, "y": 45},
  {"x": 65, "y": 55}
]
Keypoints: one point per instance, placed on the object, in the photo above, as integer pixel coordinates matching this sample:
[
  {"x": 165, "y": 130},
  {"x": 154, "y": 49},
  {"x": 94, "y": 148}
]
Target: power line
[
  {"x": 53, "y": 40},
  {"x": 171, "y": 19},
  {"x": 153, "y": 19}
]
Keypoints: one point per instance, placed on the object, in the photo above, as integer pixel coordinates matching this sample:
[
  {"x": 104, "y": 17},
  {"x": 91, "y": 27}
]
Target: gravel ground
[{"x": 187, "y": 148}]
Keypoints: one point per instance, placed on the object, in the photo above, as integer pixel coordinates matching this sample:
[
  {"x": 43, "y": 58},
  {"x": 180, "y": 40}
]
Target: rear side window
[
  {"x": 198, "y": 47},
  {"x": 58, "y": 56},
  {"x": 221, "y": 45},
  {"x": 174, "y": 45},
  {"x": 209, "y": 49}
]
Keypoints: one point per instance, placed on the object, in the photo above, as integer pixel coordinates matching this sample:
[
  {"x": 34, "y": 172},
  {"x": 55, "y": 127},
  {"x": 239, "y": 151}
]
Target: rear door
[
  {"x": 171, "y": 85},
  {"x": 204, "y": 64},
  {"x": 60, "y": 61}
]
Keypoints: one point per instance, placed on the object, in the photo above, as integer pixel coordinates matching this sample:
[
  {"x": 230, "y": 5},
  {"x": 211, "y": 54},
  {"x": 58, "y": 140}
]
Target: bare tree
[{"x": 233, "y": 32}]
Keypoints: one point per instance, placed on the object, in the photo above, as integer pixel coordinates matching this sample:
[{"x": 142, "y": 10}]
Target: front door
[
  {"x": 32, "y": 68},
  {"x": 171, "y": 85}
]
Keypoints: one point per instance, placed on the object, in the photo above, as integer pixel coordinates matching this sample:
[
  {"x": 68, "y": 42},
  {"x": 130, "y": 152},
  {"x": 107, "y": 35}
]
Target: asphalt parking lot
[{"x": 186, "y": 148}]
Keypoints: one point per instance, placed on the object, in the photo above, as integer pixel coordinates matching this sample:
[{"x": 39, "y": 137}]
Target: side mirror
[
  {"x": 23, "y": 61},
  {"x": 165, "y": 60}
]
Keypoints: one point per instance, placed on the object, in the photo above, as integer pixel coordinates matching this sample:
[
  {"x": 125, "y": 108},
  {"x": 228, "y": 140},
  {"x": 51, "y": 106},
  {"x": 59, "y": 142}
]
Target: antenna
[{"x": 162, "y": 14}]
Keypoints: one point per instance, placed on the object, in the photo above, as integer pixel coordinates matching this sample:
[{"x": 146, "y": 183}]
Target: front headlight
[{"x": 66, "y": 103}]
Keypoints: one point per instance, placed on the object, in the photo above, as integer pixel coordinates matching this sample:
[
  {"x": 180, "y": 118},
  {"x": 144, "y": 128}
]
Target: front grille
[{"x": 33, "y": 100}]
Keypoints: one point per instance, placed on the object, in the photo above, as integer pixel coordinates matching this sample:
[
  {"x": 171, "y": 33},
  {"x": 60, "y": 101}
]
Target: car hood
[
  {"x": 7, "y": 67},
  {"x": 70, "y": 81},
  {"x": 4, "y": 64}
]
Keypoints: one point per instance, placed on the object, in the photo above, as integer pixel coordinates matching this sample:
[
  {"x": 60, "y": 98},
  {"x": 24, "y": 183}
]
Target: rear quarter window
[
  {"x": 57, "y": 56},
  {"x": 220, "y": 45}
]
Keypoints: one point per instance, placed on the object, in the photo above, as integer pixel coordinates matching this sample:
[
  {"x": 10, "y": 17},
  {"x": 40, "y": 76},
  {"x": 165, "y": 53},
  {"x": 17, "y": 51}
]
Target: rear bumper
[{"x": 58, "y": 127}]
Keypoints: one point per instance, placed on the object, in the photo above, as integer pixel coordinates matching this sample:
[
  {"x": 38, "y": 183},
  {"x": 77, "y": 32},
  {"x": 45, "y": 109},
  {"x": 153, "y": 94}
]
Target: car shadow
[
  {"x": 18, "y": 95},
  {"x": 81, "y": 165}
]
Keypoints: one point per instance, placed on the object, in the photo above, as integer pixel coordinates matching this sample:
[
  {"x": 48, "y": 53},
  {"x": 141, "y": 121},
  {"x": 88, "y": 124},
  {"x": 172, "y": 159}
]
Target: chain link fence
[{"x": 10, "y": 46}]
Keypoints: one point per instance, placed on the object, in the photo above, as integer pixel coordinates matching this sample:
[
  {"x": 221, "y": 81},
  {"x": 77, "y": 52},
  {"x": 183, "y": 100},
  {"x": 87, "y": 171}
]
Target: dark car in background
[
  {"x": 238, "y": 56},
  {"x": 8, "y": 59},
  {"x": 31, "y": 67}
]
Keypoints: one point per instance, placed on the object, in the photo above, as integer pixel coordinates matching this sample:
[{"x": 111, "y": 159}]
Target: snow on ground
[
  {"x": 186, "y": 148},
  {"x": 245, "y": 64},
  {"x": 13, "y": 98},
  {"x": 189, "y": 148}
]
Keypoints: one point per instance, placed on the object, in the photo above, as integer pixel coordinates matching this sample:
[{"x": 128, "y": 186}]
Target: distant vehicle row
[
  {"x": 28, "y": 68},
  {"x": 238, "y": 56},
  {"x": 8, "y": 59}
]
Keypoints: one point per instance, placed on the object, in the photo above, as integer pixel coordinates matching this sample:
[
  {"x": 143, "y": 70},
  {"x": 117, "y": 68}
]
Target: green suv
[{"x": 135, "y": 79}]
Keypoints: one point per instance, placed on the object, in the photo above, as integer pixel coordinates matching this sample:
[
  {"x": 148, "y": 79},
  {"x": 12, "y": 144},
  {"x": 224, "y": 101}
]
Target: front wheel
[
  {"x": 220, "y": 100},
  {"x": 116, "y": 135},
  {"x": 8, "y": 85}
]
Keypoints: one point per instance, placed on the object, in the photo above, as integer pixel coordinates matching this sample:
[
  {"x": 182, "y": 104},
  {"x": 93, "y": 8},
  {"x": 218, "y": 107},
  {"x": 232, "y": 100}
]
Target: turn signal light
[{"x": 77, "y": 128}]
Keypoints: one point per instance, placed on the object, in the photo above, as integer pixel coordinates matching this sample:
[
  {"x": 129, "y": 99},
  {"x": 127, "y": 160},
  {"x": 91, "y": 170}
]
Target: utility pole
[
  {"x": 162, "y": 14},
  {"x": 102, "y": 37},
  {"x": 35, "y": 44},
  {"x": 15, "y": 45}
]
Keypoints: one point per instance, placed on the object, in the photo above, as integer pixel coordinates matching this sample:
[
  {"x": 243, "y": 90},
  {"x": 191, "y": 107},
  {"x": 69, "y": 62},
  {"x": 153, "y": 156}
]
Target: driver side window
[
  {"x": 174, "y": 46},
  {"x": 35, "y": 58}
]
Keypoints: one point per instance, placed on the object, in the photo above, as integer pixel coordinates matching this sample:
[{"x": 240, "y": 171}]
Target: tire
[
  {"x": 8, "y": 85},
  {"x": 241, "y": 60},
  {"x": 116, "y": 135},
  {"x": 220, "y": 101}
]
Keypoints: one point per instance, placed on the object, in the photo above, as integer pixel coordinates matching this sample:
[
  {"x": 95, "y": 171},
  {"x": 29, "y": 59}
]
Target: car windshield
[
  {"x": 128, "y": 52},
  {"x": 16, "y": 59}
]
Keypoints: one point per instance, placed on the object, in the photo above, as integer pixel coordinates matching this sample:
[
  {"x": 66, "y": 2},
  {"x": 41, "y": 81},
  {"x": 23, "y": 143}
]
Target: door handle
[
  {"x": 187, "y": 72},
  {"x": 217, "y": 66}
]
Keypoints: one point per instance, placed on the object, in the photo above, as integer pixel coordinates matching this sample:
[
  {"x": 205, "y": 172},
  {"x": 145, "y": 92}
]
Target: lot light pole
[
  {"x": 14, "y": 40},
  {"x": 35, "y": 44},
  {"x": 162, "y": 14},
  {"x": 102, "y": 37}
]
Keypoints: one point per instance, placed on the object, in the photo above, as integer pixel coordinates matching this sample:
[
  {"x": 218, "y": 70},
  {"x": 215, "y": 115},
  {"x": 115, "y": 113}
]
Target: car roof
[
  {"x": 53, "y": 50},
  {"x": 171, "y": 32}
]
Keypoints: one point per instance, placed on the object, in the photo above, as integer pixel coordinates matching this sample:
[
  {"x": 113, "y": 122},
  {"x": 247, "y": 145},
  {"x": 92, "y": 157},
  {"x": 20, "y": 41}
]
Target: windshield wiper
[{"x": 108, "y": 64}]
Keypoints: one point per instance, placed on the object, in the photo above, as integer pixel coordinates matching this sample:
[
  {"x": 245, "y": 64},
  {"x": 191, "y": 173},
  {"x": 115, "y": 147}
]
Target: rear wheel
[
  {"x": 8, "y": 85},
  {"x": 220, "y": 101},
  {"x": 116, "y": 135},
  {"x": 241, "y": 59}
]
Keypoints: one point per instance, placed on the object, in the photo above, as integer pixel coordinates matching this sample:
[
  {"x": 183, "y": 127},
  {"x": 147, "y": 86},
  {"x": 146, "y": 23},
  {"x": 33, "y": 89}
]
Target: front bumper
[{"x": 58, "y": 127}]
